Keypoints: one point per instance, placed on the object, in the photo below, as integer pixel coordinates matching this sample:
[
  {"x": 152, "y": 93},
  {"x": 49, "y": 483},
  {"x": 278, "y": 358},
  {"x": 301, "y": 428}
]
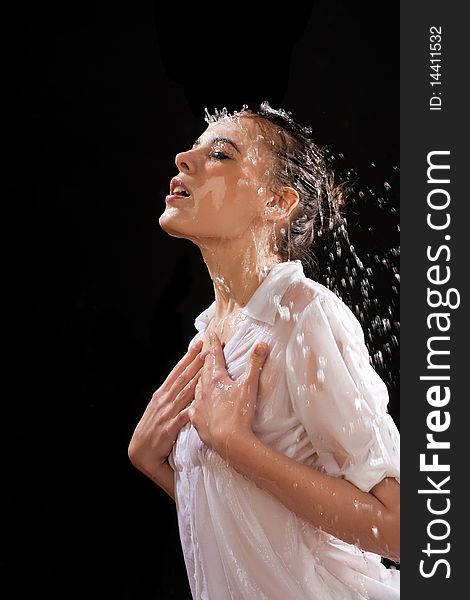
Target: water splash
[{"x": 360, "y": 261}]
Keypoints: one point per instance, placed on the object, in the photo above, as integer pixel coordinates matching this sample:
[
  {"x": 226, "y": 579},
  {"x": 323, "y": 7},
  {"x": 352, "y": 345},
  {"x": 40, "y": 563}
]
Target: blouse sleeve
[{"x": 338, "y": 396}]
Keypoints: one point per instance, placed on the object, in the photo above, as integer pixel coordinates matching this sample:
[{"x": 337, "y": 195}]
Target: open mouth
[
  {"x": 182, "y": 192},
  {"x": 178, "y": 188}
]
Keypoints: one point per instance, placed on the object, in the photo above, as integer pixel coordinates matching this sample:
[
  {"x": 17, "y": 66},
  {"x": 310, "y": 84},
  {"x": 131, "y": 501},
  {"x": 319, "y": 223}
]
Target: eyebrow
[{"x": 223, "y": 140}]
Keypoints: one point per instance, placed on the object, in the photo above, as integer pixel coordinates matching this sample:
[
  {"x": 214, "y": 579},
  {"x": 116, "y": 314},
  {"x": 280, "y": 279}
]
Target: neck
[{"x": 236, "y": 269}]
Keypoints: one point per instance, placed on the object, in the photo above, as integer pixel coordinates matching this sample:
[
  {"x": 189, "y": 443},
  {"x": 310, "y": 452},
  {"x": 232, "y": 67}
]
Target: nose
[{"x": 185, "y": 162}]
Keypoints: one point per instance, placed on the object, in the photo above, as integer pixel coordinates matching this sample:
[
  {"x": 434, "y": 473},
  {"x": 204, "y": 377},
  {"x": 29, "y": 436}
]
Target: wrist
[
  {"x": 237, "y": 446},
  {"x": 156, "y": 472},
  {"x": 151, "y": 467}
]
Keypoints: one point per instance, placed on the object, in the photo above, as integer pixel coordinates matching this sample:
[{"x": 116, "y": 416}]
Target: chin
[{"x": 170, "y": 226}]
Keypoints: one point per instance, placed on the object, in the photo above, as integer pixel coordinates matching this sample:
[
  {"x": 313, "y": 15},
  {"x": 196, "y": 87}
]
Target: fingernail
[
  {"x": 261, "y": 350},
  {"x": 198, "y": 345}
]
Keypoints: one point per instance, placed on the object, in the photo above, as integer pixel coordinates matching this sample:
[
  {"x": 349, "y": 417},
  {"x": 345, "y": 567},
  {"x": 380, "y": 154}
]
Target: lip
[
  {"x": 175, "y": 197},
  {"x": 175, "y": 182}
]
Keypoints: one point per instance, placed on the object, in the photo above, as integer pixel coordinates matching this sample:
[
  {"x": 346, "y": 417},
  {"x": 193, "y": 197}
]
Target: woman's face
[{"x": 227, "y": 174}]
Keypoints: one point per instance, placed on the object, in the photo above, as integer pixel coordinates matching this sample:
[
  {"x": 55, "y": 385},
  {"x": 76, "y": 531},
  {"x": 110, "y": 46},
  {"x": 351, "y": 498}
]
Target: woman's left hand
[{"x": 222, "y": 408}]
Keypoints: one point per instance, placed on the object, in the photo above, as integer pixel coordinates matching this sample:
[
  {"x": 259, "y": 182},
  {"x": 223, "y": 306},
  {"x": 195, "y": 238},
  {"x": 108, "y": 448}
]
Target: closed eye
[{"x": 218, "y": 155}]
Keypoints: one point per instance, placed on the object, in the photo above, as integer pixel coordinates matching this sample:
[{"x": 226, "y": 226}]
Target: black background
[{"x": 100, "y": 302}]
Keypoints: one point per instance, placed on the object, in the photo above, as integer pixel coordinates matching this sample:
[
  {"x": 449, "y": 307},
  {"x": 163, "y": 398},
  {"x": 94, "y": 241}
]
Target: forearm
[
  {"x": 330, "y": 503},
  {"x": 163, "y": 477}
]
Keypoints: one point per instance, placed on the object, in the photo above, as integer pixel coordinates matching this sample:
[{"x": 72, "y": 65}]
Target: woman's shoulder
[
  {"x": 309, "y": 299},
  {"x": 303, "y": 293}
]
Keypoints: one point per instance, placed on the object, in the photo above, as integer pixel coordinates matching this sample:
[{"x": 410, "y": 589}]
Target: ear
[{"x": 282, "y": 203}]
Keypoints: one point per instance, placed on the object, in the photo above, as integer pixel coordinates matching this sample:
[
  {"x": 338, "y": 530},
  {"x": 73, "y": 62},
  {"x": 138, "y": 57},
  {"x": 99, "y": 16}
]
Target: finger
[
  {"x": 186, "y": 360},
  {"x": 187, "y": 375},
  {"x": 195, "y": 366},
  {"x": 176, "y": 423},
  {"x": 255, "y": 364},
  {"x": 218, "y": 361},
  {"x": 182, "y": 418},
  {"x": 187, "y": 393}
]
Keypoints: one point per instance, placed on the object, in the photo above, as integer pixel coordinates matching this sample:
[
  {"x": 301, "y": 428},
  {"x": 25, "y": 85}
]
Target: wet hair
[{"x": 301, "y": 164}]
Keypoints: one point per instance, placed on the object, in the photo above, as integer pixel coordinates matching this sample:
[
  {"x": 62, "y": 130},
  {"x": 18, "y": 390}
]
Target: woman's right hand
[{"x": 166, "y": 413}]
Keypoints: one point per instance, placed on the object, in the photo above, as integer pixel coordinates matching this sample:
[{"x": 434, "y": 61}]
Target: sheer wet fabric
[{"x": 321, "y": 403}]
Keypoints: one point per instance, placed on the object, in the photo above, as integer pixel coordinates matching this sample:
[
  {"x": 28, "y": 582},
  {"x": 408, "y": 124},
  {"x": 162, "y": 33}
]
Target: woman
[{"x": 272, "y": 432}]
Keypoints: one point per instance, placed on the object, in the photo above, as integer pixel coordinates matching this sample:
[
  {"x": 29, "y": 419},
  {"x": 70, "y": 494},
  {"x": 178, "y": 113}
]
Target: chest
[
  {"x": 225, "y": 329},
  {"x": 240, "y": 341}
]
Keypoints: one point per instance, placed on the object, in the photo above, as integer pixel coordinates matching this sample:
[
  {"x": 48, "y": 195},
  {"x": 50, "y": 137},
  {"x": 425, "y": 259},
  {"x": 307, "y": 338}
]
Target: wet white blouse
[{"x": 321, "y": 403}]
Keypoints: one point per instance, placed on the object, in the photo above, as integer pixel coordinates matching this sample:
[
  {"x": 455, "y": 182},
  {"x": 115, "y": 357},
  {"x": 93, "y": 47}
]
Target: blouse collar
[{"x": 263, "y": 304}]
